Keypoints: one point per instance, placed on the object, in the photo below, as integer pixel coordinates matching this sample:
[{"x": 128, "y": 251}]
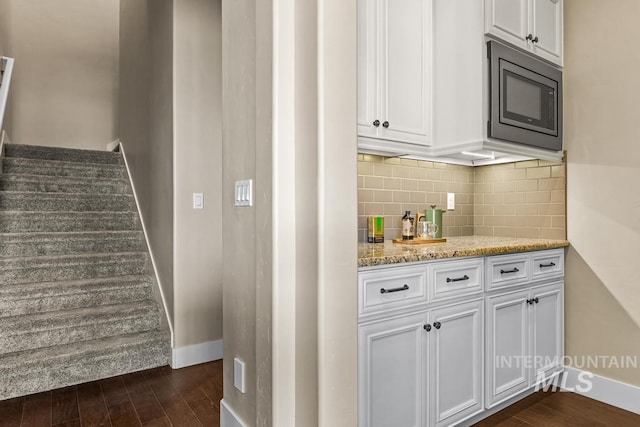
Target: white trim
[
  {"x": 284, "y": 221},
  {"x": 113, "y": 145},
  {"x": 146, "y": 239},
  {"x": 174, "y": 164},
  {"x": 195, "y": 354},
  {"x": 228, "y": 418},
  {"x": 606, "y": 390},
  {"x": 4, "y": 88},
  {"x": 3, "y": 136}
]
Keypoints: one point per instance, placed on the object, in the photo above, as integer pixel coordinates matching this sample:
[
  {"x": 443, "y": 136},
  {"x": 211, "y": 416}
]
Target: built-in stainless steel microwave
[{"x": 525, "y": 99}]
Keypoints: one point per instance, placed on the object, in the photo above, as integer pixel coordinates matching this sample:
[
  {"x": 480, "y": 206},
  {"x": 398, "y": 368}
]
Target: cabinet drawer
[
  {"x": 547, "y": 264},
  {"x": 507, "y": 270},
  {"x": 391, "y": 288},
  {"x": 455, "y": 278}
]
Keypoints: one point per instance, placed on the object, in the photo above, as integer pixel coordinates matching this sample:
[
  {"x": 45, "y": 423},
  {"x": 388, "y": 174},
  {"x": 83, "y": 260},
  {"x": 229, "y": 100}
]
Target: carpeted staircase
[{"x": 76, "y": 281}]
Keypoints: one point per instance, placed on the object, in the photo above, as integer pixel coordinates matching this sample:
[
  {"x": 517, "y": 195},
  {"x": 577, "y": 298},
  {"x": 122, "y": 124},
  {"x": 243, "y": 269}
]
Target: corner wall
[
  {"x": 603, "y": 206},
  {"x": 5, "y": 27},
  {"x": 146, "y": 121},
  {"x": 65, "y": 81},
  {"x": 197, "y": 47},
  {"x": 246, "y": 260}
]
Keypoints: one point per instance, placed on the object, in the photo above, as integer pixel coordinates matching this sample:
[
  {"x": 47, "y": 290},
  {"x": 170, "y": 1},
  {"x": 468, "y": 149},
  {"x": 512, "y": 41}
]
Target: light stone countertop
[{"x": 371, "y": 254}]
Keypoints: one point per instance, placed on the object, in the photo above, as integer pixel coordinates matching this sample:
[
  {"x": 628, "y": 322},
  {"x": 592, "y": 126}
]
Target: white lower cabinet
[
  {"x": 525, "y": 331},
  {"x": 437, "y": 346},
  {"x": 392, "y": 372},
  {"x": 422, "y": 369},
  {"x": 547, "y": 331},
  {"x": 455, "y": 362}
]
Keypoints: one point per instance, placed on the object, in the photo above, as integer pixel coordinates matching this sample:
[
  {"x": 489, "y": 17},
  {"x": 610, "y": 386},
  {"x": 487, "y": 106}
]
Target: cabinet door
[
  {"x": 547, "y": 331},
  {"x": 455, "y": 362},
  {"x": 508, "y": 20},
  {"x": 391, "y": 371},
  {"x": 404, "y": 66},
  {"x": 546, "y": 25},
  {"x": 507, "y": 346},
  {"x": 368, "y": 57}
]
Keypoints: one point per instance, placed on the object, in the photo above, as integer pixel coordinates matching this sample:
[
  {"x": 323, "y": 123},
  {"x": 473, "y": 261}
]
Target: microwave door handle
[{"x": 552, "y": 109}]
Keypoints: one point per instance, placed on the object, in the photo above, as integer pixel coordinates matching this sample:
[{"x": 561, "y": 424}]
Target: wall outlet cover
[
  {"x": 238, "y": 374},
  {"x": 198, "y": 201},
  {"x": 451, "y": 201}
]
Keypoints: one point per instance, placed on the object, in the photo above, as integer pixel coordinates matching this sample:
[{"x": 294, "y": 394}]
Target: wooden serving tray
[{"x": 419, "y": 241}]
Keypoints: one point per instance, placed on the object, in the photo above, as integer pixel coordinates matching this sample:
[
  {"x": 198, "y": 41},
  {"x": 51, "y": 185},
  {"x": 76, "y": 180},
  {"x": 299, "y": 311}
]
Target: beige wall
[
  {"x": 337, "y": 253},
  {"x": 601, "y": 135},
  {"x": 246, "y": 253},
  {"x": 5, "y": 50},
  {"x": 170, "y": 126},
  {"x": 5, "y": 27},
  {"x": 390, "y": 186},
  {"x": 146, "y": 121},
  {"x": 198, "y": 169},
  {"x": 65, "y": 81},
  {"x": 159, "y": 215},
  {"x": 314, "y": 271}
]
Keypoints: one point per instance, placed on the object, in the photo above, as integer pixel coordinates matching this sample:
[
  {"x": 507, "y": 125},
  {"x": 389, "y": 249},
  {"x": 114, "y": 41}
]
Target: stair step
[
  {"x": 71, "y": 267},
  {"x": 31, "y": 298},
  {"x": 49, "y": 244},
  {"x": 66, "y": 154},
  {"x": 27, "y": 222},
  {"x": 61, "y": 168},
  {"x": 61, "y": 184},
  {"x": 19, "y": 333},
  {"x": 27, "y": 201},
  {"x": 30, "y": 372}
]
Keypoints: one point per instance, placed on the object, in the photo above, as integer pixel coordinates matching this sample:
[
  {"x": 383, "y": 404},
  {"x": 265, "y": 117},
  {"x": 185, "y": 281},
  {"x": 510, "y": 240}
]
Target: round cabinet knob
[
  {"x": 535, "y": 40},
  {"x": 385, "y": 124},
  {"x": 376, "y": 123},
  {"x": 536, "y": 300},
  {"x": 437, "y": 325},
  {"x": 427, "y": 327},
  {"x": 529, "y": 37}
]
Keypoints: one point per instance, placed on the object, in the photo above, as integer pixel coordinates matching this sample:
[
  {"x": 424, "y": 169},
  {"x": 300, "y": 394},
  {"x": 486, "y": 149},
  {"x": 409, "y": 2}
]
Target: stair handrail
[{"x": 5, "y": 83}]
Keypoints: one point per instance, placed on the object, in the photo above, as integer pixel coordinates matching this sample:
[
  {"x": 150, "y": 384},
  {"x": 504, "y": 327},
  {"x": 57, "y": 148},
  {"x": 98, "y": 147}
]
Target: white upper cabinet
[
  {"x": 394, "y": 70},
  {"x": 508, "y": 20},
  {"x": 533, "y": 25},
  {"x": 546, "y": 25}
]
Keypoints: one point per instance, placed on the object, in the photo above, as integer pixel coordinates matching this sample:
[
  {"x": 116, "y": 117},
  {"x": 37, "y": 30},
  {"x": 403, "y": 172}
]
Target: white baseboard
[
  {"x": 228, "y": 418},
  {"x": 182, "y": 357},
  {"x": 606, "y": 390}
]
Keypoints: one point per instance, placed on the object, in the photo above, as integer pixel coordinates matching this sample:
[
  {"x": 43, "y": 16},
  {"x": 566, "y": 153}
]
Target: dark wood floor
[
  {"x": 560, "y": 409},
  {"x": 191, "y": 397},
  {"x": 158, "y": 397}
]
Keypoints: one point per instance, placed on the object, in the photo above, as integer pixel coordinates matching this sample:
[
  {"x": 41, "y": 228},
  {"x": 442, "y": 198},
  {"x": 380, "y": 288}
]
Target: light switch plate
[
  {"x": 451, "y": 201},
  {"x": 198, "y": 201},
  {"x": 238, "y": 374},
  {"x": 244, "y": 193}
]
